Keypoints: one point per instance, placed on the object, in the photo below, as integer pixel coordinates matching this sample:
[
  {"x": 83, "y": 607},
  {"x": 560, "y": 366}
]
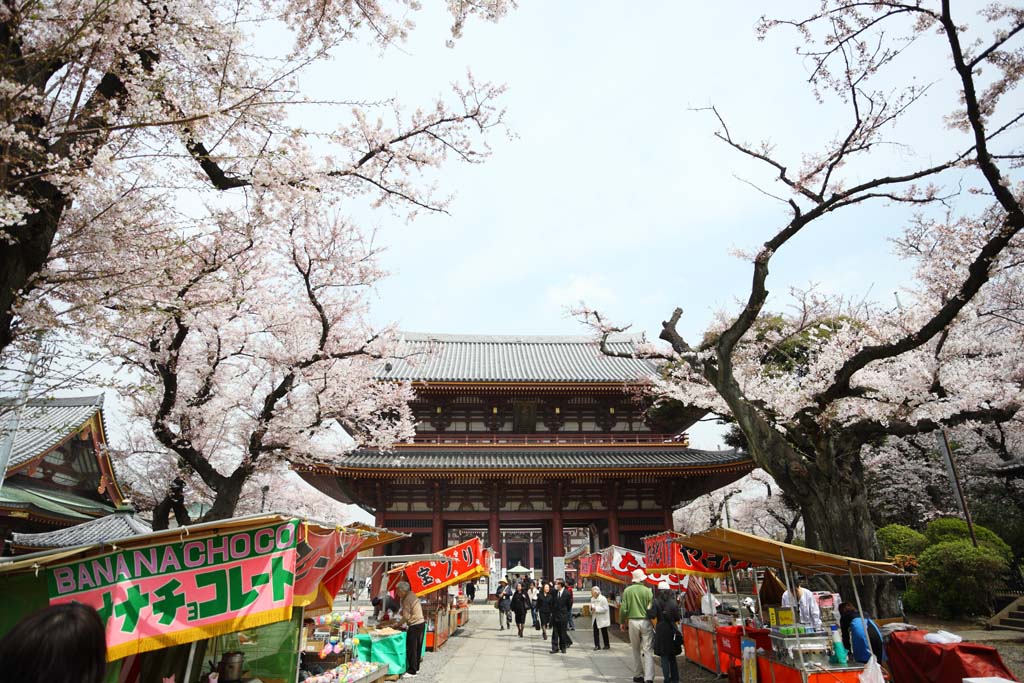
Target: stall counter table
[
  {"x": 771, "y": 670},
  {"x": 701, "y": 647}
]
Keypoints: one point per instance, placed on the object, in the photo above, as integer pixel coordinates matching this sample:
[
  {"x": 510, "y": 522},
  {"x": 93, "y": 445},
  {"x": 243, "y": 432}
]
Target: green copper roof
[{"x": 16, "y": 495}]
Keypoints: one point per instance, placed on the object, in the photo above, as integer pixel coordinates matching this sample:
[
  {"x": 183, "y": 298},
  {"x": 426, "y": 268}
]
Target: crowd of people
[{"x": 550, "y": 603}]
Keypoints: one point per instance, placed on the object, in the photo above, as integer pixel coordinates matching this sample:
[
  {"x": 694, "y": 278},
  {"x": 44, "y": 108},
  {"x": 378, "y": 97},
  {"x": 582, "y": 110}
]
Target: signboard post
[{"x": 558, "y": 563}]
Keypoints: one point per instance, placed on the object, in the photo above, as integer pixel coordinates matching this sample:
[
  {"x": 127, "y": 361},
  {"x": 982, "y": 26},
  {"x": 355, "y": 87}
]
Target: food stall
[
  {"x": 798, "y": 653},
  {"x": 467, "y": 561},
  {"x": 707, "y": 642},
  {"x": 231, "y": 592},
  {"x": 614, "y": 565}
]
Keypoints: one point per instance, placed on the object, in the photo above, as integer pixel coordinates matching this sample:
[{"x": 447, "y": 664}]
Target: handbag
[{"x": 677, "y": 641}]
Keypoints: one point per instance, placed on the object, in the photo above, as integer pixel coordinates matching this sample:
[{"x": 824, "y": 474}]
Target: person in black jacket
[
  {"x": 666, "y": 610},
  {"x": 544, "y": 600},
  {"x": 561, "y": 603},
  {"x": 520, "y": 606}
]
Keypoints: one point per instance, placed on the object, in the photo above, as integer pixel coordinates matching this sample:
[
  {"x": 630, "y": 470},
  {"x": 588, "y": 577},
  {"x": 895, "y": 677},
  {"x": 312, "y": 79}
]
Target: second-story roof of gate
[{"x": 510, "y": 358}]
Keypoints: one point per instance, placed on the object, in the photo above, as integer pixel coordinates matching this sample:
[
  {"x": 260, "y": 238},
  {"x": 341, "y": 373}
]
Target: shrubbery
[
  {"x": 953, "y": 529},
  {"x": 896, "y": 539},
  {"x": 956, "y": 579}
]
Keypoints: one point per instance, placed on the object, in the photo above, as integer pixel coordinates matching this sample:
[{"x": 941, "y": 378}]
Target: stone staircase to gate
[{"x": 1011, "y": 616}]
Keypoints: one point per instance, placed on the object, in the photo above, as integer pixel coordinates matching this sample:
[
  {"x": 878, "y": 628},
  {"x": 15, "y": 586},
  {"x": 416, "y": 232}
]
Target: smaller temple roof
[
  {"x": 532, "y": 458},
  {"x": 122, "y": 524},
  {"x": 509, "y": 358},
  {"x": 45, "y": 423},
  {"x": 48, "y": 502}
]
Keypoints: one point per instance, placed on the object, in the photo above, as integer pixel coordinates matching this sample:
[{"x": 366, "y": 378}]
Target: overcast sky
[{"x": 612, "y": 190}]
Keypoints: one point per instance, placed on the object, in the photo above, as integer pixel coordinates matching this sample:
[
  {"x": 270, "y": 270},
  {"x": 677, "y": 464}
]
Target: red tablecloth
[{"x": 913, "y": 660}]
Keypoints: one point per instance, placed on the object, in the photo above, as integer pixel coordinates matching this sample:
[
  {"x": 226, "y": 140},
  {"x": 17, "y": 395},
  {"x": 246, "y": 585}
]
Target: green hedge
[
  {"x": 896, "y": 539},
  {"x": 953, "y": 529},
  {"x": 956, "y": 579}
]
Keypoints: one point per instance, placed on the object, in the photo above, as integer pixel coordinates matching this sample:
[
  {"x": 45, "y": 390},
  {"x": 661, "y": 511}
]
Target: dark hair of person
[
  {"x": 845, "y": 606},
  {"x": 58, "y": 644}
]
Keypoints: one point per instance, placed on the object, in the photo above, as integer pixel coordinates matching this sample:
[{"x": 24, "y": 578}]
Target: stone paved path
[{"x": 480, "y": 653}]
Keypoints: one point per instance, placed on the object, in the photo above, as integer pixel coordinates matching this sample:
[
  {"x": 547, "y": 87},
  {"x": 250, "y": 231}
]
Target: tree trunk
[
  {"x": 228, "y": 493},
  {"x": 827, "y": 481},
  {"x": 24, "y": 256}
]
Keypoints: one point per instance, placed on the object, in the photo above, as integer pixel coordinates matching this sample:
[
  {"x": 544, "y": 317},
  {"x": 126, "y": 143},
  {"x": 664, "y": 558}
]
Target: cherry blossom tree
[
  {"x": 754, "y": 504},
  {"x": 255, "y": 349},
  {"x": 161, "y": 202},
  {"x": 909, "y": 484},
  {"x": 116, "y": 110},
  {"x": 862, "y": 372}
]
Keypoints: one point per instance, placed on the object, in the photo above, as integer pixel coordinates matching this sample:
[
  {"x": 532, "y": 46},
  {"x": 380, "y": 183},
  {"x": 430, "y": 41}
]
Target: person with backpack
[{"x": 667, "y": 637}]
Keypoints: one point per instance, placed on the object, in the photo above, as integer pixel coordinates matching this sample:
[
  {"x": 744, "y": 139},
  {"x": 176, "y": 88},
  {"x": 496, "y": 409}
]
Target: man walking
[
  {"x": 636, "y": 600},
  {"x": 560, "y": 607}
]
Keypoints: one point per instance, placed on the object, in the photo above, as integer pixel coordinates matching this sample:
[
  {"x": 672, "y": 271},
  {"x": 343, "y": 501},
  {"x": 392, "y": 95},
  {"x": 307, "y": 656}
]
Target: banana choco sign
[{"x": 174, "y": 593}]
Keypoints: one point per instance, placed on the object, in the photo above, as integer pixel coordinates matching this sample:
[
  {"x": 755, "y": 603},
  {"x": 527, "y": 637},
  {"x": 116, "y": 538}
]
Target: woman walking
[
  {"x": 602, "y": 617},
  {"x": 520, "y": 606},
  {"x": 544, "y": 609},
  {"x": 666, "y": 611}
]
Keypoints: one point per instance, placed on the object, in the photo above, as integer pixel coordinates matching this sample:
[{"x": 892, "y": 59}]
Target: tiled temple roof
[
  {"x": 122, "y": 524},
  {"x": 47, "y": 422},
  {"x": 513, "y": 458},
  {"x": 501, "y": 358}
]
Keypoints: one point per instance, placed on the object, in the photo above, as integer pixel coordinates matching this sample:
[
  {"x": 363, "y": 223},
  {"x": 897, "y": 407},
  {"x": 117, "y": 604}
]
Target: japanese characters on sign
[
  {"x": 663, "y": 555},
  {"x": 468, "y": 562},
  {"x": 175, "y": 593}
]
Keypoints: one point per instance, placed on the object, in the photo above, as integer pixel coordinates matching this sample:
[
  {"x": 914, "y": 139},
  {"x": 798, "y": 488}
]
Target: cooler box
[{"x": 730, "y": 639}]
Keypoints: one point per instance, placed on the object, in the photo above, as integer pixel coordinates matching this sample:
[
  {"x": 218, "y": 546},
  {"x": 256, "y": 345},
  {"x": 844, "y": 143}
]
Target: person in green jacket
[{"x": 636, "y": 600}]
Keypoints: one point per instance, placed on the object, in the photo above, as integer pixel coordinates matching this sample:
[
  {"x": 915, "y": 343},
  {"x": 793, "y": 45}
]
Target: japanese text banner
[
  {"x": 671, "y": 558},
  {"x": 468, "y": 563},
  {"x": 588, "y": 565},
  {"x": 164, "y": 595}
]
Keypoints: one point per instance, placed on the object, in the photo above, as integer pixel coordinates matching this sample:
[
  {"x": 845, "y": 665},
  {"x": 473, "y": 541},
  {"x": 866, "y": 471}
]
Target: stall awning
[
  {"x": 664, "y": 555},
  {"x": 180, "y": 585},
  {"x": 765, "y": 552},
  {"x": 466, "y": 561},
  {"x": 376, "y": 536}
]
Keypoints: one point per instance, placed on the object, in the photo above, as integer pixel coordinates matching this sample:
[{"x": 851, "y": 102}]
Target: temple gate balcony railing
[{"x": 546, "y": 439}]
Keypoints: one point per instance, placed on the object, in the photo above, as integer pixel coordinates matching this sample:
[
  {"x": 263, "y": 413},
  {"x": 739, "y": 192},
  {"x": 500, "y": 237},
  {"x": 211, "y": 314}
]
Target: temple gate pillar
[
  {"x": 666, "y": 505},
  {"x": 557, "y": 537},
  {"x": 437, "y": 541},
  {"x": 613, "y": 512}
]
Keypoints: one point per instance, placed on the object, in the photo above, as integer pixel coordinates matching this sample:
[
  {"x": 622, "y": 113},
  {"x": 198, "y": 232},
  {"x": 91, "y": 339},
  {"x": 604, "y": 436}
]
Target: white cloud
[{"x": 589, "y": 289}]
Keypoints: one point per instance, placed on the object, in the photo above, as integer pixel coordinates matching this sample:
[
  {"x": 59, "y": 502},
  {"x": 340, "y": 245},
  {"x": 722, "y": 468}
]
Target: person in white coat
[
  {"x": 806, "y": 602},
  {"x": 602, "y": 617}
]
